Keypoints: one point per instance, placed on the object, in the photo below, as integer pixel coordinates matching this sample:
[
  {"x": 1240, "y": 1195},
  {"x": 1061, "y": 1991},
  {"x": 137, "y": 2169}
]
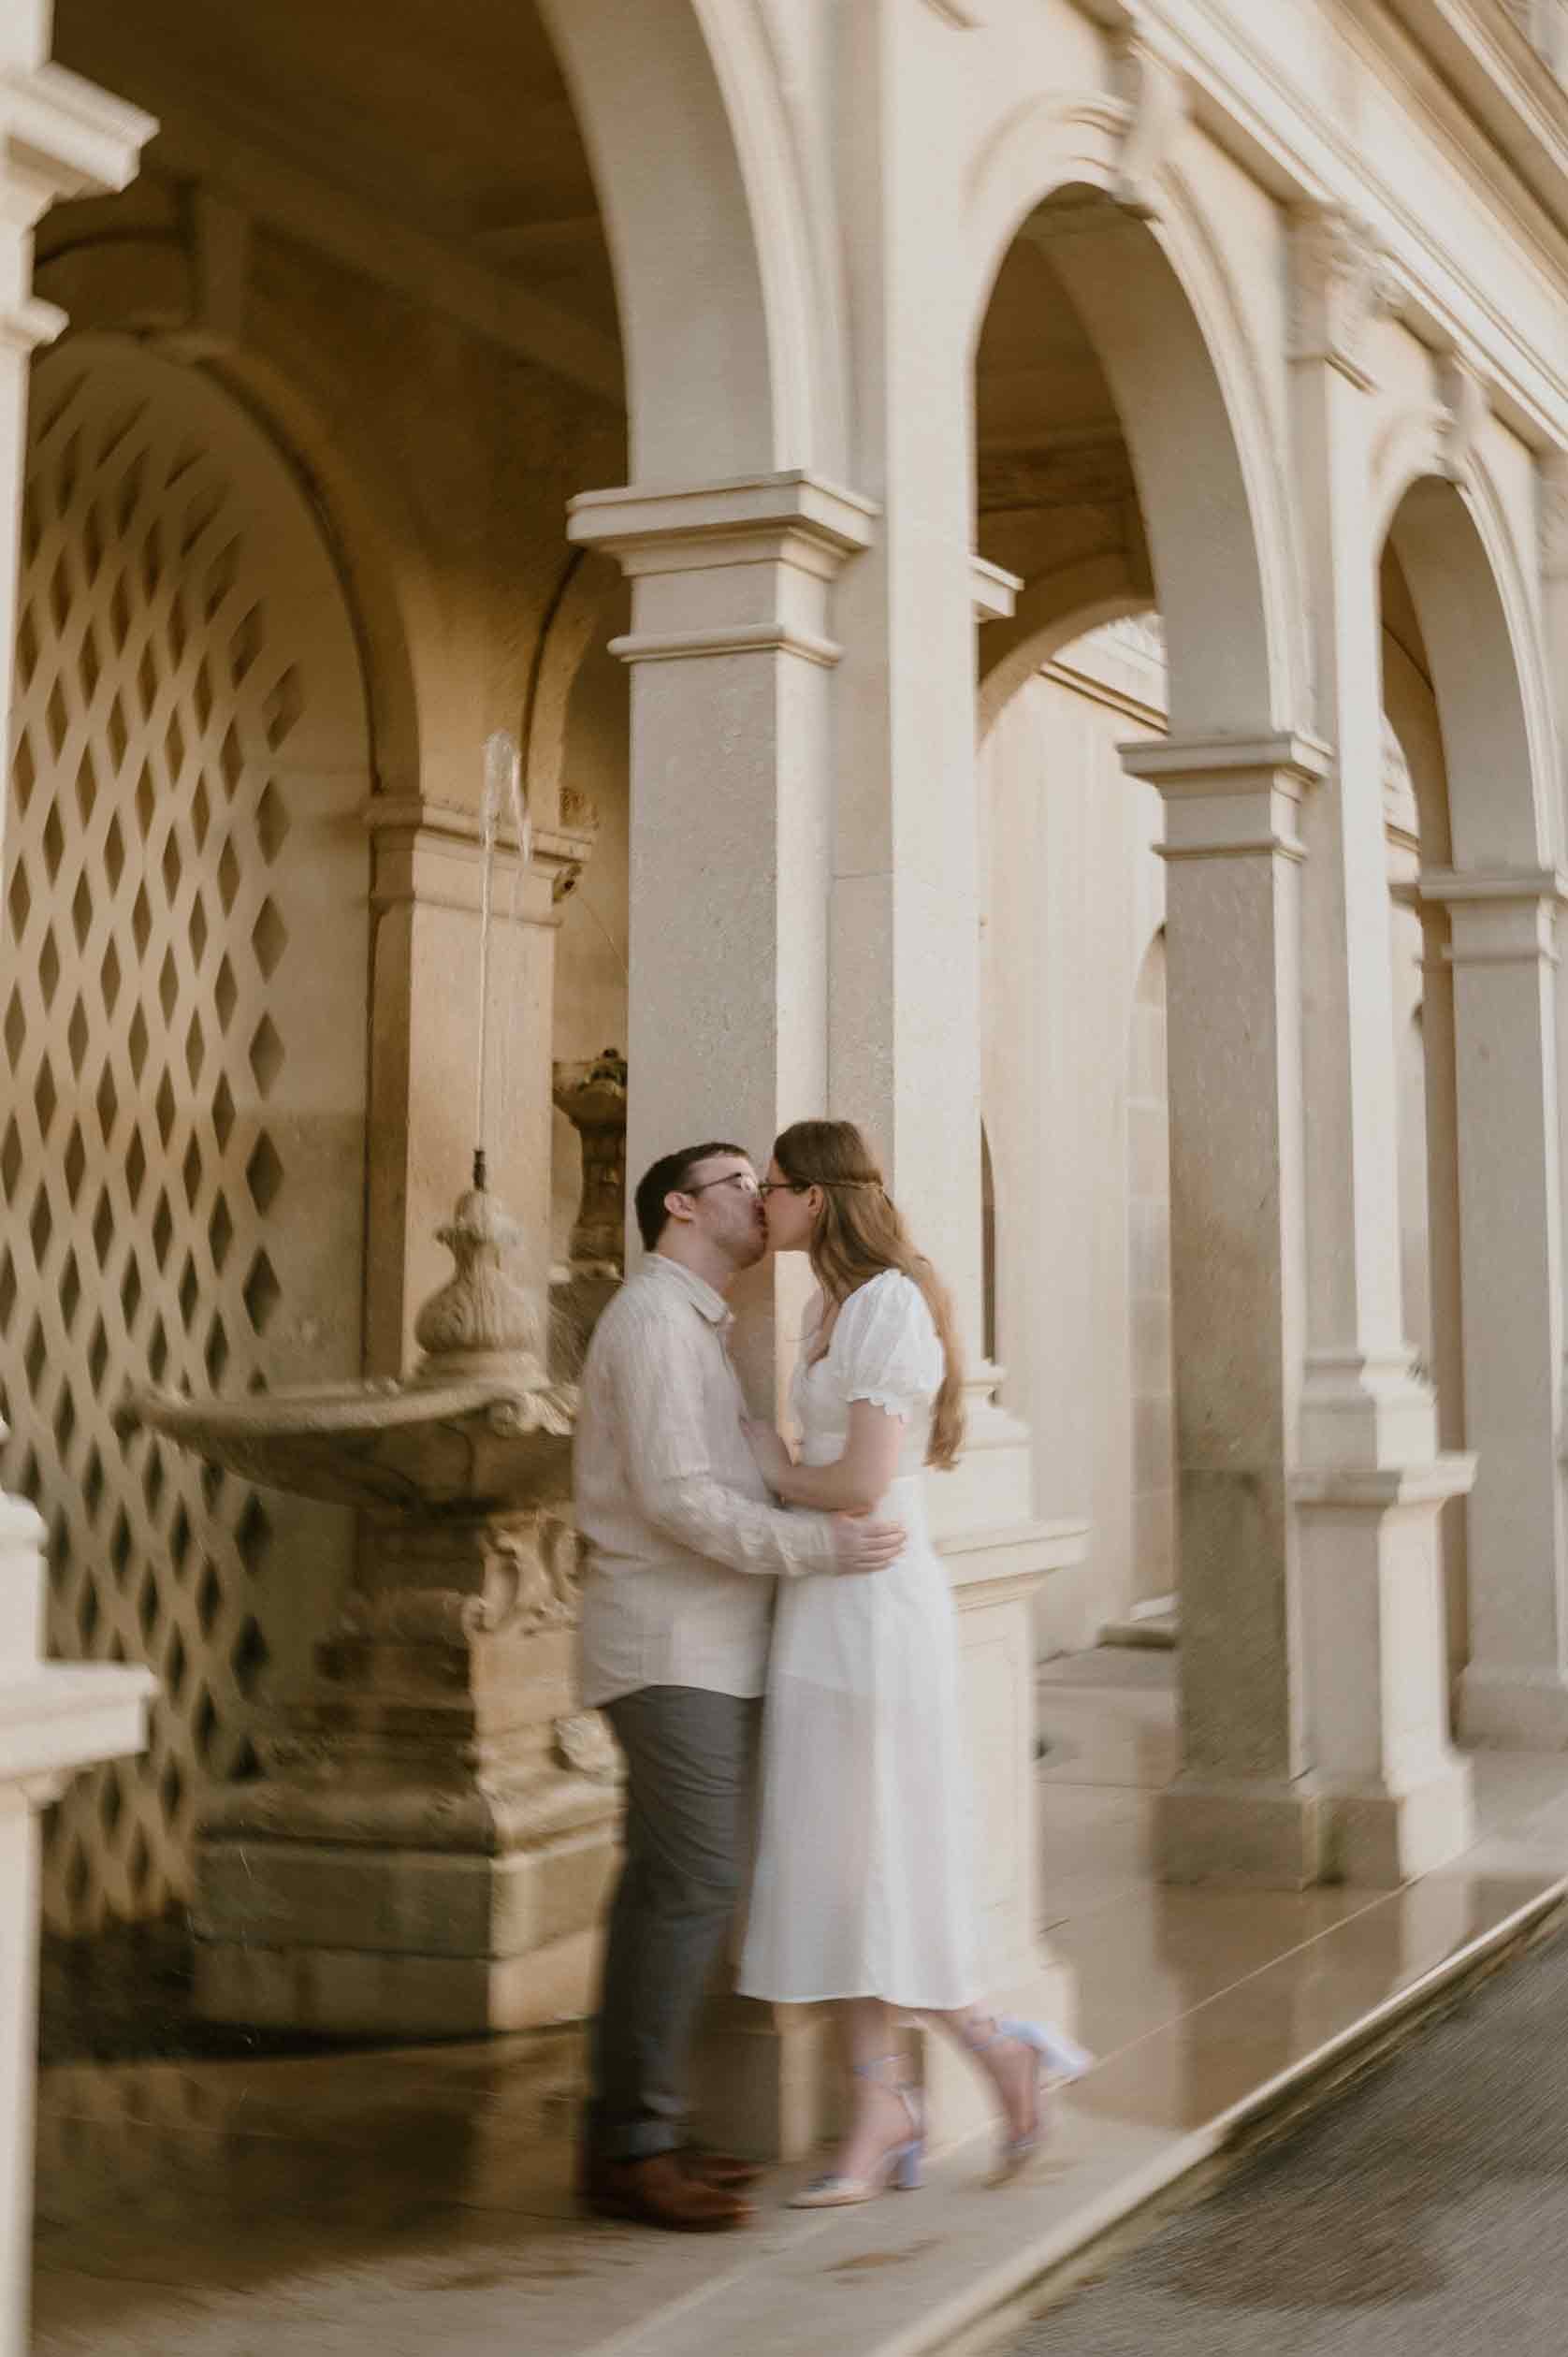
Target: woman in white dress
[{"x": 861, "y": 1890}]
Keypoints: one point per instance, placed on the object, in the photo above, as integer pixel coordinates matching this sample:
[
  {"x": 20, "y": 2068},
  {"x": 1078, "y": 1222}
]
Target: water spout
[{"x": 502, "y": 797}]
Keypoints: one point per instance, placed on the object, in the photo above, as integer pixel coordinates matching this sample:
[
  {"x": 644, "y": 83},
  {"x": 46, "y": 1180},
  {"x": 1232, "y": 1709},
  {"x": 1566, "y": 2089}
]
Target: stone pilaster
[
  {"x": 1245, "y": 1807},
  {"x": 1502, "y": 954},
  {"x": 732, "y": 655},
  {"x": 427, "y": 897},
  {"x": 1371, "y": 1477}
]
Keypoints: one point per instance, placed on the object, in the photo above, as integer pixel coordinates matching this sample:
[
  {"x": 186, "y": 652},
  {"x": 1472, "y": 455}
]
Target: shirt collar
[{"x": 709, "y": 1303}]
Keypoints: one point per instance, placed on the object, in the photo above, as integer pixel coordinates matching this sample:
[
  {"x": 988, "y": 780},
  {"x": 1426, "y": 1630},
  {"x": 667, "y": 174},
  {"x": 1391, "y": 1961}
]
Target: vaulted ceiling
[{"x": 449, "y": 123}]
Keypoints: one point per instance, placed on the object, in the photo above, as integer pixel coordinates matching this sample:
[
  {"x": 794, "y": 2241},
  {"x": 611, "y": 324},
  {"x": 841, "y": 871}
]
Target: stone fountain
[{"x": 427, "y": 1848}]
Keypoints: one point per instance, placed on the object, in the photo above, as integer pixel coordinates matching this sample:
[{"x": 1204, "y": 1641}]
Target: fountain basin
[{"x": 465, "y": 1446}]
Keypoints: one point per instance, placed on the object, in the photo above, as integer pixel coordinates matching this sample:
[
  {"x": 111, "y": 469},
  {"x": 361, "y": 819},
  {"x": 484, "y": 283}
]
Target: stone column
[
  {"x": 733, "y": 877},
  {"x": 1502, "y": 953},
  {"x": 1371, "y": 1479},
  {"x": 732, "y": 795},
  {"x": 1243, "y": 1807},
  {"x": 59, "y": 137},
  {"x": 732, "y": 657}
]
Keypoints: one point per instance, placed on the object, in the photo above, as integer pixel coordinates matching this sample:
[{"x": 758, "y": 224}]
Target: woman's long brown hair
[{"x": 857, "y": 1234}]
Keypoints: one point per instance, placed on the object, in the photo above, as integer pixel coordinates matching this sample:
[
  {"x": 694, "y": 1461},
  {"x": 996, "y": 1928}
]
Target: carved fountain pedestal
[
  {"x": 593, "y": 1098},
  {"x": 427, "y": 1850}
]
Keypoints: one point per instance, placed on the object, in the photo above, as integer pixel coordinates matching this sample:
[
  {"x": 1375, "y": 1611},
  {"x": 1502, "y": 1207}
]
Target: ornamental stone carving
[
  {"x": 1462, "y": 410},
  {"x": 481, "y": 1322},
  {"x": 1342, "y": 286},
  {"x": 1155, "y": 98},
  {"x": 593, "y": 1098},
  {"x": 584, "y": 1743}
]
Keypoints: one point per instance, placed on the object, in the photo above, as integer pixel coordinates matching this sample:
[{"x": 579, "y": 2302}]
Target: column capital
[
  {"x": 1387, "y": 1490},
  {"x": 1452, "y": 885},
  {"x": 1498, "y": 916},
  {"x": 792, "y": 516},
  {"x": 735, "y": 568},
  {"x": 431, "y": 851},
  {"x": 1229, "y": 797}
]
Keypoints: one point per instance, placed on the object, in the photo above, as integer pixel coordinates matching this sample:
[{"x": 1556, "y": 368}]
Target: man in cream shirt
[{"x": 681, "y": 1547}]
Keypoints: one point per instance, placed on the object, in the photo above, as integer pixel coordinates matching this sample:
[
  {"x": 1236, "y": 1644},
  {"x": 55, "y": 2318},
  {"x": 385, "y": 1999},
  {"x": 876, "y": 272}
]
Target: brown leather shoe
[
  {"x": 658, "y": 2192},
  {"x": 723, "y": 2169}
]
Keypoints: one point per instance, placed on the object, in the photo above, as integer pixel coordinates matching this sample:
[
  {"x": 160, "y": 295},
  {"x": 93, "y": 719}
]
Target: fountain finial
[{"x": 481, "y": 1322}]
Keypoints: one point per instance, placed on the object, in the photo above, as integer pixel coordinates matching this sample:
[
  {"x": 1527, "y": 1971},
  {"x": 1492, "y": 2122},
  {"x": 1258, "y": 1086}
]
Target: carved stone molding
[
  {"x": 593, "y": 1098},
  {"x": 584, "y": 1743},
  {"x": 62, "y": 136},
  {"x": 1462, "y": 410},
  {"x": 1553, "y": 479},
  {"x": 481, "y": 1319},
  {"x": 1155, "y": 95},
  {"x": 1342, "y": 286}
]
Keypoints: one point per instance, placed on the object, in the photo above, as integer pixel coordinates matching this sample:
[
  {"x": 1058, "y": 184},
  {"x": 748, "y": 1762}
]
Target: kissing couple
[{"x": 739, "y": 1595}]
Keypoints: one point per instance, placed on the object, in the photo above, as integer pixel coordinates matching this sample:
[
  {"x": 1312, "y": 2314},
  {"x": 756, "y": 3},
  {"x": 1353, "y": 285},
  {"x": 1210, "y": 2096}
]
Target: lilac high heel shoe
[
  {"x": 1059, "y": 2060},
  {"x": 901, "y": 2168}
]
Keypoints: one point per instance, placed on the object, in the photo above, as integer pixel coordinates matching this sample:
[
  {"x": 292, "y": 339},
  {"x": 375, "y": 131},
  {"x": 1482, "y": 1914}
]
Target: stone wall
[{"x": 344, "y": 576}]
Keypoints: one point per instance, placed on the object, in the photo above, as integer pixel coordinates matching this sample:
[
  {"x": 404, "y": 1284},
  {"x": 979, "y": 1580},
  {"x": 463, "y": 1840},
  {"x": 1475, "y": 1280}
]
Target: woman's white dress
[{"x": 863, "y": 1880}]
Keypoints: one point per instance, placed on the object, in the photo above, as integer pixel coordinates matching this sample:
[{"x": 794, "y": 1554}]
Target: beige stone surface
[
  {"x": 386, "y": 2200},
  {"x": 1251, "y": 318}
]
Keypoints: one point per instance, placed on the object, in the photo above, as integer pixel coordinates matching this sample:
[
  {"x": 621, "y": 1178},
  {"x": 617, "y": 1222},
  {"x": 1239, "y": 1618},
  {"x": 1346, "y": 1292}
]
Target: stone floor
[{"x": 384, "y": 2204}]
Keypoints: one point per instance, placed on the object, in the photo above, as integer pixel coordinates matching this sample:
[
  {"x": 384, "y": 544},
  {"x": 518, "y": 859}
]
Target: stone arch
[
  {"x": 729, "y": 307},
  {"x": 1489, "y": 677},
  {"x": 1053, "y": 611},
  {"x": 184, "y": 1134},
  {"x": 575, "y": 619},
  {"x": 1198, "y": 430},
  {"x": 144, "y": 285}
]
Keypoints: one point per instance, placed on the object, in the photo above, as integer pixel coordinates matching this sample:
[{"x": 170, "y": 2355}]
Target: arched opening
[
  {"x": 1119, "y": 470},
  {"x": 184, "y": 1138},
  {"x": 1469, "y": 834},
  {"x": 398, "y": 271},
  {"x": 1110, "y": 483}
]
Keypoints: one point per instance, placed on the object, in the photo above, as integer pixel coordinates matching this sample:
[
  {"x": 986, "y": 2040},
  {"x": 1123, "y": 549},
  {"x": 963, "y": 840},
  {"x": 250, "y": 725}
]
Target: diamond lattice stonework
[{"x": 162, "y": 1218}]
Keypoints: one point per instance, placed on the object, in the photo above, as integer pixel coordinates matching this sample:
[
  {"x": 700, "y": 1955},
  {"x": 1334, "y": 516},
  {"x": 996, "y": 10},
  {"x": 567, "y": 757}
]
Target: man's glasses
[{"x": 743, "y": 1179}]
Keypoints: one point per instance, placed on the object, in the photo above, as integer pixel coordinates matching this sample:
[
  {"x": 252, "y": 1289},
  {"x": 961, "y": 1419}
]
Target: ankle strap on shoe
[
  {"x": 880, "y": 2073},
  {"x": 883, "y": 2069}
]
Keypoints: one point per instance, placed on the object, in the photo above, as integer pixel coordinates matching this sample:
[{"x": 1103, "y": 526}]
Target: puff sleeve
[{"x": 887, "y": 1345}]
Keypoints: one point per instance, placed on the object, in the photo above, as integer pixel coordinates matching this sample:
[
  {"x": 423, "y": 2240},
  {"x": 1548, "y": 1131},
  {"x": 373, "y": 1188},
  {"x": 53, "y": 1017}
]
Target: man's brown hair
[{"x": 668, "y": 1176}]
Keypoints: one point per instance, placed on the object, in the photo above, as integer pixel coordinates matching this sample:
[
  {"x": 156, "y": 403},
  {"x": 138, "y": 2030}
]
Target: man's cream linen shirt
[{"x": 671, "y": 1508}]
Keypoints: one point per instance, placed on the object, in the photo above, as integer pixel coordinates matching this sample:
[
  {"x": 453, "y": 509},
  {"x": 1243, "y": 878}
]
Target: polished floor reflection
[{"x": 383, "y": 2204}]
